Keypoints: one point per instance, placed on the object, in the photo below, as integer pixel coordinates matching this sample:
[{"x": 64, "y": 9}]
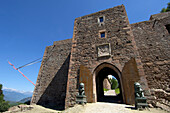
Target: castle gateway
[{"x": 104, "y": 43}]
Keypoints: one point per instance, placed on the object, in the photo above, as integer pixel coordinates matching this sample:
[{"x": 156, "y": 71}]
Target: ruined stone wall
[
  {"x": 86, "y": 40},
  {"x": 153, "y": 43},
  {"x": 50, "y": 90}
]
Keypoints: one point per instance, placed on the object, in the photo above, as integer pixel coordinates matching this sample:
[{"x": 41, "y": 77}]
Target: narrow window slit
[{"x": 101, "y": 19}]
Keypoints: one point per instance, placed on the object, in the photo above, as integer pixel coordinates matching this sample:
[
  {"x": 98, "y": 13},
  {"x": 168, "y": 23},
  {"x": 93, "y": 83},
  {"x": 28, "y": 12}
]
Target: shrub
[
  {"x": 117, "y": 91},
  {"x": 114, "y": 84},
  {"x": 166, "y": 9},
  {"x": 104, "y": 89},
  {"x": 3, "y": 104}
]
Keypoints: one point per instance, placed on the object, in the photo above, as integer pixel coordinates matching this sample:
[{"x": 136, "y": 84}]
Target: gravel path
[
  {"x": 110, "y": 93},
  {"x": 98, "y": 107},
  {"x": 40, "y": 109}
]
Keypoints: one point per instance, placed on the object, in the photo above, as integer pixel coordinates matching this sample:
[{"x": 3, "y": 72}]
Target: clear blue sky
[{"x": 28, "y": 26}]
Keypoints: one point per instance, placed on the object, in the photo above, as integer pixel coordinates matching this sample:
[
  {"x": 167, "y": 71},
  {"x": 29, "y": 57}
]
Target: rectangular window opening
[
  {"x": 102, "y": 34},
  {"x": 101, "y": 19},
  {"x": 168, "y": 28}
]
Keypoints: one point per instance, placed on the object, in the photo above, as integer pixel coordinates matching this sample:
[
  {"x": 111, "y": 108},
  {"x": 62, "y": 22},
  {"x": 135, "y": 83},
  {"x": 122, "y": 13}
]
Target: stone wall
[
  {"x": 118, "y": 43},
  {"x": 153, "y": 43},
  {"x": 50, "y": 90},
  {"x": 106, "y": 84}
]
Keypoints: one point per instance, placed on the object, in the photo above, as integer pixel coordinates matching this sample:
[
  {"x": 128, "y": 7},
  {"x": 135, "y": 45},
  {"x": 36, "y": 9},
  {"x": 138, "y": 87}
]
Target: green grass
[
  {"x": 117, "y": 91},
  {"x": 105, "y": 89}
]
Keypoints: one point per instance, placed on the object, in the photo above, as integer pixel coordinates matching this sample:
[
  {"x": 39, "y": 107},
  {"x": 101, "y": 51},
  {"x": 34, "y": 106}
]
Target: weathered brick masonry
[
  {"x": 153, "y": 41},
  {"x": 134, "y": 53},
  {"x": 50, "y": 90},
  {"x": 86, "y": 39}
]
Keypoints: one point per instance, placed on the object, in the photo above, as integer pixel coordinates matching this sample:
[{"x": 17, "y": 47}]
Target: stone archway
[
  {"x": 93, "y": 81},
  {"x": 99, "y": 75}
]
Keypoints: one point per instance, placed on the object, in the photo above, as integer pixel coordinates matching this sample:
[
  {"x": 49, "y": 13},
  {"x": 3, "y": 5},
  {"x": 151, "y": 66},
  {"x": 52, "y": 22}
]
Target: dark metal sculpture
[
  {"x": 81, "y": 98},
  {"x": 140, "y": 100}
]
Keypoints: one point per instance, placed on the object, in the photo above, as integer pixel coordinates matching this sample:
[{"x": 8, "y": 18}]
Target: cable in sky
[
  {"x": 30, "y": 63},
  {"x": 21, "y": 73}
]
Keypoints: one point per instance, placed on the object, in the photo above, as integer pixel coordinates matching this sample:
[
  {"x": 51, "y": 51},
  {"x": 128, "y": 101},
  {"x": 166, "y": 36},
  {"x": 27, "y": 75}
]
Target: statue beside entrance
[
  {"x": 81, "y": 98},
  {"x": 140, "y": 100}
]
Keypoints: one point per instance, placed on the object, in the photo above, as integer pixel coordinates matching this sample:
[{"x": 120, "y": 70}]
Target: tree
[
  {"x": 113, "y": 81},
  {"x": 166, "y": 9},
  {"x": 114, "y": 84},
  {"x": 3, "y": 104}
]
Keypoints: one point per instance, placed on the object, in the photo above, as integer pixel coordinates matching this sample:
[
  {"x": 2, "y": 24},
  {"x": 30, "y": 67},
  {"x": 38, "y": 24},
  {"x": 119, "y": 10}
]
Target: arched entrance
[
  {"x": 94, "y": 81},
  {"x": 101, "y": 74}
]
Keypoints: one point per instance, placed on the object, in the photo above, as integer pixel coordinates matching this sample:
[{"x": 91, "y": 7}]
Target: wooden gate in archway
[{"x": 87, "y": 78}]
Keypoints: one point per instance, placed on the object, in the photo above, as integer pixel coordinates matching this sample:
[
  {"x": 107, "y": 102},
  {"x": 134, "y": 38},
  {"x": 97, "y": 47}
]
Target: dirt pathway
[
  {"x": 110, "y": 93},
  {"x": 98, "y": 107}
]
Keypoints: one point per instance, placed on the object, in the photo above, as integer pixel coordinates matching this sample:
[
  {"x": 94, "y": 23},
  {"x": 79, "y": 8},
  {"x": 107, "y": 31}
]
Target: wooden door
[
  {"x": 130, "y": 75},
  {"x": 87, "y": 78}
]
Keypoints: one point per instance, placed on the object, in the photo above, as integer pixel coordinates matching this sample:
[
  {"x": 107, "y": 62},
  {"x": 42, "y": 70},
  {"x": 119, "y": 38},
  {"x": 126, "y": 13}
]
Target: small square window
[
  {"x": 102, "y": 34},
  {"x": 101, "y": 19}
]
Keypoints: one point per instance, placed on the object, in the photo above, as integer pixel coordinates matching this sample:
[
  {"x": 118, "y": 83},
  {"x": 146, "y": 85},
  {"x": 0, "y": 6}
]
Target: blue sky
[{"x": 28, "y": 26}]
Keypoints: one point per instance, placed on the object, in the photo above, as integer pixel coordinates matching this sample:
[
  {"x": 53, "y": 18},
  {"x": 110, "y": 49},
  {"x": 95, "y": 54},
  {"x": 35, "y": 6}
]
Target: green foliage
[
  {"x": 1, "y": 94},
  {"x": 0, "y": 87},
  {"x": 117, "y": 91},
  {"x": 3, "y": 104},
  {"x": 166, "y": 9},
  {"x": 114, "y": 84},
  {"x": 104, "y": 89},
  {"x": 1, "y": 97}
]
